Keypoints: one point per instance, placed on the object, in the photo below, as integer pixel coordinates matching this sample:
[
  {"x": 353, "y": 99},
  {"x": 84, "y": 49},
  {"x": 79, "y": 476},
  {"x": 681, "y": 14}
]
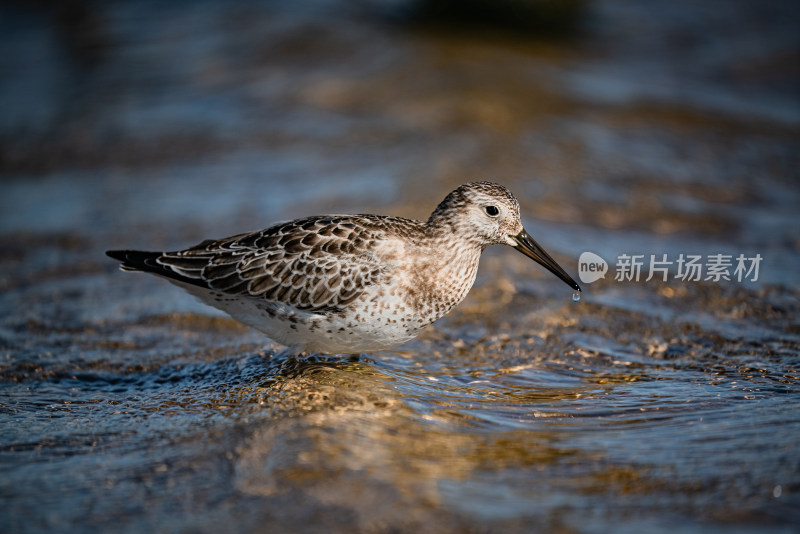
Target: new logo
[{"x": 591, "y": 267}]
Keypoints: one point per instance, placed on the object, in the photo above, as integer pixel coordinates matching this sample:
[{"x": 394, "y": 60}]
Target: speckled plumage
[{"x": 348, "y": 283}]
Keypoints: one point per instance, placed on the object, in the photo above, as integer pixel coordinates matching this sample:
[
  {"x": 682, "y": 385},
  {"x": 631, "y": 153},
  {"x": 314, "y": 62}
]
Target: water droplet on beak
[{"x": 576, "y": 295}]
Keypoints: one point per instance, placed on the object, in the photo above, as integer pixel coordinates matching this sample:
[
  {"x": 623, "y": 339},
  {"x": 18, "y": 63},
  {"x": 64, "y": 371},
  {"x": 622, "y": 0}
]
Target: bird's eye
[{"x": 491, "y": 211}]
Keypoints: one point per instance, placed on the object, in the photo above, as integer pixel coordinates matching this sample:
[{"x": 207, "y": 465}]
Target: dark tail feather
[{"x": 136, "y": 260}]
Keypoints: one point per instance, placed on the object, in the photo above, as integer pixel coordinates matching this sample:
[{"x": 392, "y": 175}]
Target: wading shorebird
[{"x": 350, "y": 283}]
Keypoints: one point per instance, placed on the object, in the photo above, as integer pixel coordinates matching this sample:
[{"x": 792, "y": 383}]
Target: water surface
[{"x": 126, "y": 406}]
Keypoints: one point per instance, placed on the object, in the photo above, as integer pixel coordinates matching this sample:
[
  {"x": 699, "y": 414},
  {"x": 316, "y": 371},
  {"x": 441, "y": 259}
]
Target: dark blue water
[{"x": 647, "y": 129}]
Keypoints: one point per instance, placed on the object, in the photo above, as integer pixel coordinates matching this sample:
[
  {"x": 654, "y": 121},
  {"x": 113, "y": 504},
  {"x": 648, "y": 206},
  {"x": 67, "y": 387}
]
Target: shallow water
[{"x": 125, "y": 406}]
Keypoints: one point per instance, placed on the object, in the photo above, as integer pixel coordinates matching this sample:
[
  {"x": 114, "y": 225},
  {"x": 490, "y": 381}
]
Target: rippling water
[{"x": 652, "y": 406}]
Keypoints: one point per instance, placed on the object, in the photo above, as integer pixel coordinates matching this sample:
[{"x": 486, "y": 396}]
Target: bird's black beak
[{"x": 531, "y": 248}]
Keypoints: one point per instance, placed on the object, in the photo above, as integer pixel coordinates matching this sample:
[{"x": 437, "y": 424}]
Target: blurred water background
[{"x": 625, "y": 128}]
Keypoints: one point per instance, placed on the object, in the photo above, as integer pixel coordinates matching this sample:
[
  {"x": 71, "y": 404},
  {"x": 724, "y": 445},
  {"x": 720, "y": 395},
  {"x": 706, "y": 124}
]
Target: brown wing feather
[{"x": 314, "y": 264}]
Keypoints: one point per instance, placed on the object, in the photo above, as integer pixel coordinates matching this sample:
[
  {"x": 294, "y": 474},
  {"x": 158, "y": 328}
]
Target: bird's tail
[{"x": 137, "y": 260}]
